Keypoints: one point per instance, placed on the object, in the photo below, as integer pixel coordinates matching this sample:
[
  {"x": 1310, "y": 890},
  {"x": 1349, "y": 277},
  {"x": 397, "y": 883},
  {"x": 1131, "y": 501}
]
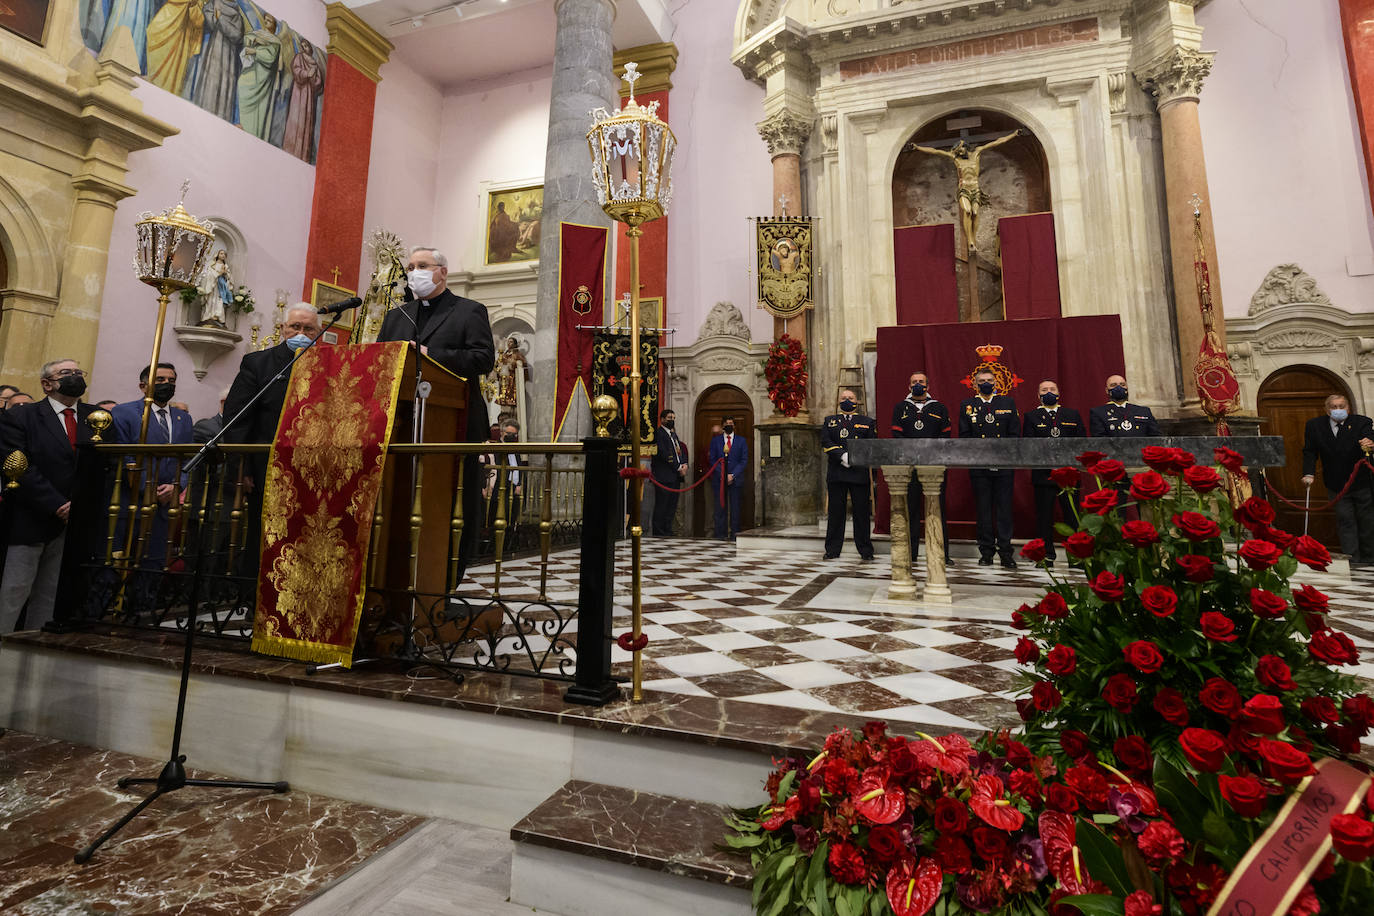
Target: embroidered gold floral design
[
  {"x": 280, "y": 503},
  {"x": 313, "y": 577}
]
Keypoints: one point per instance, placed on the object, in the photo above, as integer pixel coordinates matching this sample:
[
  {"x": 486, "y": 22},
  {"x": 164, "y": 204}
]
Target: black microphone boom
[{"x": 339, "y": 307}]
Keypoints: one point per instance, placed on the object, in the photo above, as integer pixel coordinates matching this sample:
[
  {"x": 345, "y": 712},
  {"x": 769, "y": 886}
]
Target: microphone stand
[{"x": 173, "y": 774}]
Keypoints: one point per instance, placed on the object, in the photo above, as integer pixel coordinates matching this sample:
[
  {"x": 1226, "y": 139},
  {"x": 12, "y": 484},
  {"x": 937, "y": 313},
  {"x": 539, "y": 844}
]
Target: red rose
[
  {"x": 1144, "y": 656},
  {"x": 1160, "y": 600},
  {"x": 1220, "y": 696},
  {"x": 1320, "y": 709},
  {"x": 1276, "y": 536},
  {"x": 1195, "y": 526},
  {"x": 1108, "y": 587},
  {"x": 1259, "y": 554},
  {"x": 953, "y": 855},
  {"x": 1310, "y": 552},
  {"x": 1267, "y": 604},
  {"x": 1100, "y": 501},
  {"x": 1263, "y": 714},
  {"x": 847, "y": 864},
  {"x": 1026, "y": 651},
  {"x": 1141, "y": 903},
  {"x": 1171, "y": 706},
  {"x": 1139, "y": 533},
  {"x": 1120, "y": 692},
  {"x": 1158, "y": 458},
  {"x": 1110, "y": 470},
  {"x": 885, "y": 843},
  {"x": 1182, "y": 459},
  {"x": 1053, "y": 606},
  {"x": 1034, "y": 550},
  {"x": 1245, "y": 794},
  {"x": 1160, "y": 843},
  {"x": 1074, "y": 743},
  {"x": 1310, "y": 600},
  {"x": 1244, "y": 741},
  {"x": 1202, "y": 479},
  {"x": 1306, "y": 903},
  {"x": 1062, "y": 660},
  {"x": 1089, "y": 785},
  {"x": 1284, "y": 762},
  {"x": 1254, "y": 513},
  {"x": 1018, "y": 618},
  {"x": 1148, "y": 485},
  {"x": 1333, "y": 648},
  {"x": 1204, "y": 748},
  {"x": 1275, "y": 672},
  {"x": 1352, "y": 836},
  {"x": 1089, "y": 460},
  {"x": 1231, "y": 460},
  {"x": 1196, "y": 568},
  {"x": 1079, "y": 544},
  {"x": 1344, "y": 738},
  {"x": 1134, "y": 753},
  {"x": 1064, "y": 478},
  {"x": 989, "y": 842},
  {"x": 951, "y": 815},
  {"x": 1218, "y": 627},
  {"x": 1045, "y": 696},
  {"x": 1061, "y": 798},
  {"x": 1359, "y": 709}
]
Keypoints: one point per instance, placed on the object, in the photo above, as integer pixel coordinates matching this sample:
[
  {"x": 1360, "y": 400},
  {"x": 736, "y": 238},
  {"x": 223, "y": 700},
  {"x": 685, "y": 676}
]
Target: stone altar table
[{"x": 928, "y": 459}]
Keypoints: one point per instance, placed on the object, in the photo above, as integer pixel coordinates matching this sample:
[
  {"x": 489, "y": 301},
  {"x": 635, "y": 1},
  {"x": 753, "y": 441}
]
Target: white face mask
[
  {"x": 421, "y": 283},
  {"x": 1339, "y": 415},
  {"x": 298, "y": 342}
]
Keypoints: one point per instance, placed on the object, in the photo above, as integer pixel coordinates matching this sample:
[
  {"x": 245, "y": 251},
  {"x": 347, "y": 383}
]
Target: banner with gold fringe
[{"x": 323, "y": 481}]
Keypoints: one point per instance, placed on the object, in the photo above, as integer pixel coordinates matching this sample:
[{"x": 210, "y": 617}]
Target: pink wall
[
  {"x": 721, "y": 175},
  {"x": 1283, "y": 151},
  {"x": 263, "y": 191}
]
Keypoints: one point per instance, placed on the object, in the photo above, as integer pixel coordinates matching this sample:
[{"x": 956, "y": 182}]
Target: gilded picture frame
[
  {"x": 25, "y": 18},
  {"x": 511, "y": 224},
  {"x": 324, "y": 294}
]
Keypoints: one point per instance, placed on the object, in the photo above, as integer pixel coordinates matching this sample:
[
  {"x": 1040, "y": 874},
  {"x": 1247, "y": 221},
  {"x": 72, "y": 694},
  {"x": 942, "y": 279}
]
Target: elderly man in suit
[
  {"x": 455, "y": 333},
  {"x": 50, "y": 434},
  {"x": 1339, "y": 439}
]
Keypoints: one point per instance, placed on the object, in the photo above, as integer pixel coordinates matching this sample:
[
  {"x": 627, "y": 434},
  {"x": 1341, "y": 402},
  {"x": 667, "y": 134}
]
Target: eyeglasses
[
  {"x": 297, "y": 326},
  {"x": 68, "y": 373}
]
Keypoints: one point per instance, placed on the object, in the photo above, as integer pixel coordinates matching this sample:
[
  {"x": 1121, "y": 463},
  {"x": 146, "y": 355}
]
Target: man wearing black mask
[
  {"x": 989, "y": 415},
  {"x": 845, "y": 481},
  {"x": 733, "y": 452},
  {"x": 920, "y": 416},
  {"x": 669, "y": 467},
  {"x": 1118, "y": 417},
  {"x": 1050, "y": 421}
]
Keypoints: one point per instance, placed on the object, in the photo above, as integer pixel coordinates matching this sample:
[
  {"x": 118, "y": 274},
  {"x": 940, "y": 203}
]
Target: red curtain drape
[
  {"x": 1030, "y": 266},
  {"x": 581, "y": 294},
  {"x": 927, "y": 289}
]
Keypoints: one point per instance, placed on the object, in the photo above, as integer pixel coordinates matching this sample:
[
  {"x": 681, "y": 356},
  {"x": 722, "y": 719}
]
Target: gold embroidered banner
[
  {"x": 323, "y": 480},
  {"x": 784, "y": 254}
]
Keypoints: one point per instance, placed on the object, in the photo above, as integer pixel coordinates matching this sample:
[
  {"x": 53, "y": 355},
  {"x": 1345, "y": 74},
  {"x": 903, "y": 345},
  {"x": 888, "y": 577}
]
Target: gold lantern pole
[{"x": 632, "y": 151}]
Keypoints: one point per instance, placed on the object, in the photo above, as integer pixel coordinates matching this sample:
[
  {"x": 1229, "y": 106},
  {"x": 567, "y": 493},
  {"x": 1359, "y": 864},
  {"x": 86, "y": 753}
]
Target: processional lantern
[{"x": 632, "y": 159}]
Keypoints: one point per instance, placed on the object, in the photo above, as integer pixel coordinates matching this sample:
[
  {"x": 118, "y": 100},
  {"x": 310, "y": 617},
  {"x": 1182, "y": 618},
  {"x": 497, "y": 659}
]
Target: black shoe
[
  {"x": 831, "y": 556},
  {"x": 1008, "y": 563},
  {"x": 867, "y": 558},
  {"x": 1049, "y": 563},
  {"x": 985, "y": 561}
]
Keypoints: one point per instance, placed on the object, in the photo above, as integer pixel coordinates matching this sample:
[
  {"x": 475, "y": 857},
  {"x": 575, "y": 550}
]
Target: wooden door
[
  {"x": 714, "y": 404},
  {"x": 1287, "y": 400}
]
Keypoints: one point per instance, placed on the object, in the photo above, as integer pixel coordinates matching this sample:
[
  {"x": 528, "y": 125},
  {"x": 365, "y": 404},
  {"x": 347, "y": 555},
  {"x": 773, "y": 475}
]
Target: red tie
[{"x": 69, "y": 417}]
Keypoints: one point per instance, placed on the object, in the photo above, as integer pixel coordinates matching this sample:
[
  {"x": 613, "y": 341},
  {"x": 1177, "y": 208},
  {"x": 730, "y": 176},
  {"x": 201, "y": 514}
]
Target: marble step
[{"x": 602, "y": 850}]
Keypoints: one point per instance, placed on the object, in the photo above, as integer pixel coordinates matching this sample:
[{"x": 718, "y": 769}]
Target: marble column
[
  {"x": 1175, "y": 80},
  {"x": 786, "y": 133},
  {"x": 937, "y": 585},
  {"x": 1357, "y": 27},
  {"x": 903, "y": 586},
  {"x": 582, "y": 81}
]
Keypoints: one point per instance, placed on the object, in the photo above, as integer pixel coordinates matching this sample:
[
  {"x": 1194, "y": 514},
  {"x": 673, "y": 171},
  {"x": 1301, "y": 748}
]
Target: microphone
[{"x": 338, "y": 307}]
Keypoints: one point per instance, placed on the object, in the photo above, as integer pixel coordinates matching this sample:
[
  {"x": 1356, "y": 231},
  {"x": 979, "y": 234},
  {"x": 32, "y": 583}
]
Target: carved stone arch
[
  {"x": 754, "y": 15},
  {"x": 31, "y": 260},
  {"x": 1286, "y": 284},
  {"x": 724, "y": 320}
]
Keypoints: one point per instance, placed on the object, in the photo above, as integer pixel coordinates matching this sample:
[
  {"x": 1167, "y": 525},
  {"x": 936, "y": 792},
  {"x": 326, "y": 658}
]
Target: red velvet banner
[
  {"x": 1078, "y": 353},
  {"x": 581, "y": 298},
  {"x": 1030, "y": 266},
  {"x": 927, "y": 287}
]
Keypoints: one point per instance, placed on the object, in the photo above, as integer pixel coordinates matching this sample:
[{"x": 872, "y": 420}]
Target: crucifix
[
  {"x": 336, "y": 273},
  {"x": 782, "y": 205}
]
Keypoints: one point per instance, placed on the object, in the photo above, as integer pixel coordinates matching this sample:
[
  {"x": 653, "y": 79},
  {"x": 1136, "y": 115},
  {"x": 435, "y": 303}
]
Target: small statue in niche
[
  {"x": 512, "y": 370},
  {"x": 216, "y": 292}
]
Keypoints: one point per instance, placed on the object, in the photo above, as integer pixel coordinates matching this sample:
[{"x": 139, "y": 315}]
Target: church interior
[{"x": 826, "y": 198}]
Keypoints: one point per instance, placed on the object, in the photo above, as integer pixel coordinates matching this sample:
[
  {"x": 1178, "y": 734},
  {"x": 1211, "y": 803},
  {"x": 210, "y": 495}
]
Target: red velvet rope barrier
[
  {"x": 1327, "y": 505},
  {"x": 687, "y": 489}
]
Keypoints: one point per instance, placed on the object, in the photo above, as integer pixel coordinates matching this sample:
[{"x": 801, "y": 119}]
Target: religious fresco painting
[
  {"x": 513, "y": 224},
  {"x": 25, "y": 18},
  {"x": 230, "y": 57}
]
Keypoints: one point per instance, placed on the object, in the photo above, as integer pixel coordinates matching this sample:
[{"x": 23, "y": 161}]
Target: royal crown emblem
[
  {"x": 582, "y": 300},
  {"x": 990, "y": 356}
]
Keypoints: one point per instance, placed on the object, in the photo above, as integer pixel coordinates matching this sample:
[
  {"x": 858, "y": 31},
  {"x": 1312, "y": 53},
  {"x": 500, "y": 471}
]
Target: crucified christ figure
[{"x": 971, "y": 197}]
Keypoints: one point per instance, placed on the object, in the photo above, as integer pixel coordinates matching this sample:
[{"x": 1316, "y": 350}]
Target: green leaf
[
  {"x": 1286, "y": 566},
  {"x": 1063, "y": 528},
  {"x": 1103, "y": 858},
  {"x": 1096, "y": 904},
  {"x": 1093, "y": 523},
  {"x": 1181, "y": 798},
  {"x": 842, "y": 906},
  {"x": 1105, "y": 818},
  {"x": 785, "y": 786},
  {"x": 815, "y": 879}
]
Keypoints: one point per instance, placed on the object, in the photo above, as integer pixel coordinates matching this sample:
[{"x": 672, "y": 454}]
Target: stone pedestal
[
  {"x": 937, "y": 584},
  {"x": 903, "y": 586},
  {"x": 790, "y": 463}
]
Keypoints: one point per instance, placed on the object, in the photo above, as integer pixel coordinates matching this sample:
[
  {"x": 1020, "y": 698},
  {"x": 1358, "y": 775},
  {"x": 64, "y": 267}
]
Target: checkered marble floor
[{"x": 784, "y": 628}]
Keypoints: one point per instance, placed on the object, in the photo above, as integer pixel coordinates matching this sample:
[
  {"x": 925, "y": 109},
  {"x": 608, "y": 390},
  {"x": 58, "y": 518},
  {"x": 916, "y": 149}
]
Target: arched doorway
[
  {"x": 1287, "y": 400},
  {"x": 714, "y": 403}
]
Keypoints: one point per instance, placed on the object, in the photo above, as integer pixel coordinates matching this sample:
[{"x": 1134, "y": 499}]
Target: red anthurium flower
[
  {"x": 781, "y": 814},
  {"x": 877, "y": 800},
  {"x": 987, "y": 802},
  {"x": 914, "y": 886},
  {"x": 1061, "y": 854},
  {"x": 948, "y": 755}
]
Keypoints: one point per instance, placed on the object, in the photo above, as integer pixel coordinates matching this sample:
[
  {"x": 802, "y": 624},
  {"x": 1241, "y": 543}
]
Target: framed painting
[
  {"x": 650, "y": 312},
  {"x": 324, "y": 294},
  {"x": 25, "y": 18},
  {"x": 510, "y": 217}
]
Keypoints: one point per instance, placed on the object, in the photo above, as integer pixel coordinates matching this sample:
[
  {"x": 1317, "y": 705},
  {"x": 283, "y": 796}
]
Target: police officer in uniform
[
  {"x": 845, "y": 481},
  {"x": 1050, "y": 421},
  {"x": 1120, "y": 418},
  {"x": 919, "y": 416},
  {"x": 989, "y": 415}
]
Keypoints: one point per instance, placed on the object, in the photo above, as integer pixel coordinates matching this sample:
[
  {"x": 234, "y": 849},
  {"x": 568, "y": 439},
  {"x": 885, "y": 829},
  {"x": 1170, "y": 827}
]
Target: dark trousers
[
  {"x": 992, "y": 493},
  {"x": 857, "y": 493},
  {"x": 665, "y": 508},
  {"x": 915, "y": 510},
  {"x": 732, "y": 496},
  {"x": 1355, "y": 522},
  {"x": 1046, "y": 498}
]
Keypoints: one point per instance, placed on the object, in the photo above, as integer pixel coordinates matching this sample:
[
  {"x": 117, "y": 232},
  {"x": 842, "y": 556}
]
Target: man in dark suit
[
  {"x": 1050, "y": 421},
  {"x": 844, "y": 481},
  {"x": 50, "y": 433},
  {"x": 455, "y": 333},
  {"x": 735, "y": 450},
  {"x": 205, "y": 430},
  {"x": 669, "y": 467},
  {"x": 989, "y": 415},
  {"x": 1339, "y": 439},
  {"x": 920, "y": 416},
  {"x": 1118, "y": 417}
]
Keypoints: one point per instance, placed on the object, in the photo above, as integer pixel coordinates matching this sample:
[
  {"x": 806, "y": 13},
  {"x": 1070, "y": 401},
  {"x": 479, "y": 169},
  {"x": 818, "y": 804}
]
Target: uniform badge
[
  {"x": 918, "y": 425},
  {"x": 1054, "y": 433},
  {"x": 988, "y": 418},
  {"x": 1125, "y": 424},
  {"x": 844, "y": 433}
]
